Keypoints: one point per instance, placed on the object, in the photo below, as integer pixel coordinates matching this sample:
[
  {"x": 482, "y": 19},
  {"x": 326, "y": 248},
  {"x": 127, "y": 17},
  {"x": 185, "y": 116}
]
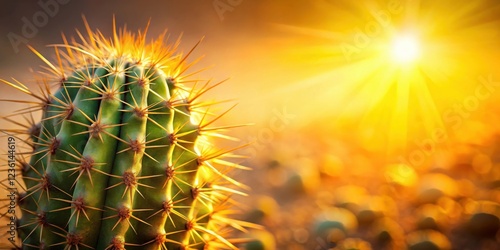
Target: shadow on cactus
[{"x": 121, "y": 158}]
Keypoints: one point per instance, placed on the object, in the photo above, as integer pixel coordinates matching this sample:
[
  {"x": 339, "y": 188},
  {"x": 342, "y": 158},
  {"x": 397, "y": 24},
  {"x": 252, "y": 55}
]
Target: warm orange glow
[{"x": 375, "y": 123}]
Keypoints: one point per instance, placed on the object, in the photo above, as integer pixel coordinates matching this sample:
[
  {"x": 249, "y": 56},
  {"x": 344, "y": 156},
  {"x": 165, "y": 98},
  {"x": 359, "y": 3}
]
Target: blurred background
[{"x": 375, "y": 121}]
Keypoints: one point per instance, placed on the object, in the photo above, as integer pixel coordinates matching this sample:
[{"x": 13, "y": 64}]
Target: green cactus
[{"x": 121, "y": 157}]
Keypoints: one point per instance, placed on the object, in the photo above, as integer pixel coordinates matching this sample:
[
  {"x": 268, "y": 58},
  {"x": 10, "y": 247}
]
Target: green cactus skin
[{"x": 120, "y": 158}]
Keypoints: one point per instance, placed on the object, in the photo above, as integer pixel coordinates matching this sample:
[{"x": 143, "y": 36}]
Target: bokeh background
[{"x": 349, "y": 148}]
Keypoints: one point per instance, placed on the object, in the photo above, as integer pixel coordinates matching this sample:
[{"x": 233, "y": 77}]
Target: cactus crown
[{"x": 121, "y": 156}]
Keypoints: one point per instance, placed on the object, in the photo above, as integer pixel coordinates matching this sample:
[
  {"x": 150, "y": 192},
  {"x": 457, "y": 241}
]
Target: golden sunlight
[
  {"x": 366, "y": 124},
  {"x": 396, "y": 72}
]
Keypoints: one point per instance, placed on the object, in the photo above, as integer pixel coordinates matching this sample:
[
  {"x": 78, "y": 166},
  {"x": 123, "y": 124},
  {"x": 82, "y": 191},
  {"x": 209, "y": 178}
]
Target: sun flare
[
  {"x": 393, "y": 72},
  {"x": 405, "y": 49}
]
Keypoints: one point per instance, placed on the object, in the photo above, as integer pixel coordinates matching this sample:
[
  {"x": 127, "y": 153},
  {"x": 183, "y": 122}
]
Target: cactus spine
[{"x": 121, "y": 157}]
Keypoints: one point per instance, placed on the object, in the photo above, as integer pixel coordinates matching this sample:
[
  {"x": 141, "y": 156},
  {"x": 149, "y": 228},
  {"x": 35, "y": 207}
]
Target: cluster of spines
[{"x": 120, "y": 157}]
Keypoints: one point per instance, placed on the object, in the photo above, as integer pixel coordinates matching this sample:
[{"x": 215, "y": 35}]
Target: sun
[
  {"x": 405, "y": 49},
  {"x": 390, "y": 74}
]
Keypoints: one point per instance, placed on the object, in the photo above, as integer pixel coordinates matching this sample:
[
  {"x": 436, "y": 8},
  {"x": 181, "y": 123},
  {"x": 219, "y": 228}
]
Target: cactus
[{"x": 121, "y": 158}]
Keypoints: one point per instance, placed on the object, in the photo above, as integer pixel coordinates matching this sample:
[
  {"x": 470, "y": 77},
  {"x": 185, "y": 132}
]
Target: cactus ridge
[{"x": 121, "y": 158}]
